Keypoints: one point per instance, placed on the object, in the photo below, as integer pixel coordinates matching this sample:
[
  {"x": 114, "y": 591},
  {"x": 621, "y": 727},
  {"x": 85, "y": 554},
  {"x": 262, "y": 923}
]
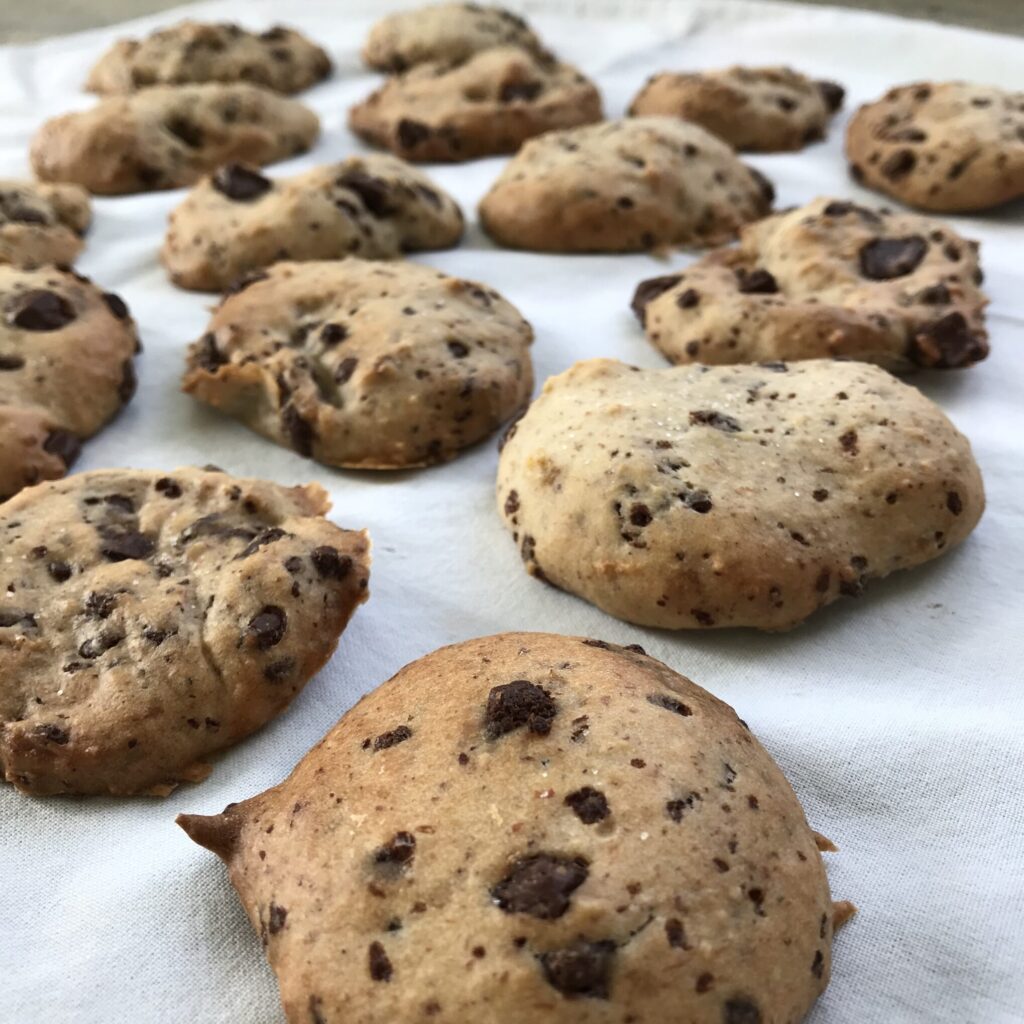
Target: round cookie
[
  {"x": 41, "y": 223},
  {"x": 444, "y": 33},
  {"x": 364, "y": 365},
  {"x": 830, "y": 279},
  {"x": 193, "y": 52},
  {"x": 66, "y": 368},
  {"x": 764, "y": 110},
  {"x": 697, "y": 497},
  {"x": 946, "y": 146},
  {"x": 238, "y": 221},
  {"x": 148, "y": 620},
  {"x": 529, "y": 827},
  {"x": 169, "y": 136},
  {"x": 490, "y": 104},
  {"x": 623, "y": 186}
]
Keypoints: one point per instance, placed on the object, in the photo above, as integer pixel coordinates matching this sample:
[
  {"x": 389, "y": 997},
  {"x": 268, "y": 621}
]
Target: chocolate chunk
[
  {"x": 64, "y": 445},
  {"x": 675, "y": 933},
  {"x": 276, "y": 918},
  {"x": 333, "y": 334},
  {"x": 167, "y": 487},
  {"x": 345, "y": 369},
  {"x": 278, "y": 670},
  {"x": 766, "y": 187},
  {"x": 899, "y": 164},
  {"x": 375, "y": 193},
  {"x": 154, "y": 636},
  {"x": 186, "y": 131},
  {"x": 53, "y": 734},
  {"x": 756, "y": 282},
  {"x": 267, "y": 626},
  {"x": 300, "y": 431},
  {"x": 832, "y": 93},
  {"x": 511, "y": 91},
  {"x": 411, "y": 133},
  {"x": 11, "y": 362},
  {"x": 540, "y": 885},
  {"x": 675, "y": 809},
  {"x": 390, "y": 739},
  {"x": 380, "y": 965},
  {"x": 934, "y": 295},
  {"x": 15, "y": 617},
  {"x": 582, "y": 970},
  {"x": 718, "y": 420},
  {"x": 589, "y": 805},
  {"x": 848, "y": 442},
  {"x": 60, "y": 571},
  {"x": 119, "y": 544},
  {"x": 97, "y": 645},
  {"x": 126, "y": 386},
  {"x": 647, "y": 291},
  {"x": 397, "y": 852},
  {"x": 207, "y": 356},
  {"x": 663, "y": 700},
  {"x": 261, "y": 540},
  {"x": 818, "y": 964},
  {"x": 697, "y": 500},
  {"x": 515, "y": 704},
  {"x": 947, "y": 342},
  {"x": 99, "y": 604},
  {"x": 244, "y": 282},
  {"x": 688, "y": 299},
  {"x": 40, "y": 310},
  {"x": 600, "y": 644},
  {"x": 458, "y": 349},
  {"x": 740, "y": 1010},
  {"x": 640, "y": 515},
  {"x": 116, "y": 305},
  {"x": 330, "y": 564},
  {"x": 954, "y": 503},
  {"x": 885, "y": 258}
]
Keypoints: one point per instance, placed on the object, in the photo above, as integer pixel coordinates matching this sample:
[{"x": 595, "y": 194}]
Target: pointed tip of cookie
[{"x": 219, "y": 833}]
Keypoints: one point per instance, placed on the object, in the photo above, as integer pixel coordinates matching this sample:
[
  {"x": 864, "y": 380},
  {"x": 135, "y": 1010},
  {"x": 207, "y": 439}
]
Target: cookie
[
  {"x": 764, "y": 110},
  {"x": 194, "y": 52},
  {"x": 170, "y": 136},
  {"x": 490, "y": 104},
  {"x": 532, "y": 827},
  {"x": 697, "y": 497},
  {"x": 830, "y": 279},
  {"x": 945, "y": 146},
  {"x": 364, "y": 365},
  {"x": 444, "y": 33},
  {"x": 41, "y": 223},
  {"x": 238, "y": 221},
  {"x": 66, "y": 368},
  {"x": 623, "y": 186},
  {"x": 149, "y": 619}
]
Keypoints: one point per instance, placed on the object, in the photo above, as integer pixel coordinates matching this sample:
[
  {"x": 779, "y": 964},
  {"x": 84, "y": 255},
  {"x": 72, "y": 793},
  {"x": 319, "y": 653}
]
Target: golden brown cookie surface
[{"x": 41, "y": 223}]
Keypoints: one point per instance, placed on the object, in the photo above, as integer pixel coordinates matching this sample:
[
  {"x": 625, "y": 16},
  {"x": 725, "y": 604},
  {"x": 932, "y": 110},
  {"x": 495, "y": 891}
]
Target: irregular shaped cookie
[
  {"x": 490, "y": 104},
  {"x": 949, "y": 146},
  {"x": 66, "y": 368},
  {"x": 534, "y": 827},
  {"x": 699, "y": 496},
  {"x": 169, "y": 136},
  {"x": 193, "y": 52},
  {"x": 830, "y": 279},
  {"x": 757, "y": 109},
  {"x": 444, "y": 33},
  {"x": 366, "y": 365},
  {"x": 238, "y": 221},
  {"x": 623, "y": 186},
  {"x": 41, "y": 223},
  {"x": 148, "y": 620}
]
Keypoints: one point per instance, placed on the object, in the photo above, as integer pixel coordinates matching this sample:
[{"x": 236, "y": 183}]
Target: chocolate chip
[
  {"x": 397, "y": 852},
  {"x": 99, "y": 604},
  {"x": 688, "y": 299},
  {"x": 933, "y": 295},
  {"x": 345, "y": 369},
  {"x": 885, "y": 258},
  {"x": 756, "y": 282},
  {"x": 581, "y": 970},
  {"x": 64, "y": 445},
  {"x": 116, "y": 305},
  {"x": 458, "y": 349},
  {"x": 589, "y": 805},
  {"x": 697, "y": 500},
  {"x": 510, "y": 91},
  {"x": 647, "y": 291},
  {"x": 244, "y": 282},
  {"x": 899, "y": 164},
  {"x": 512, "y": 503},
  {"x": 766, "y": 187},
  {"x": 515, "y": 704},
  {"x": 126, "y": 386},
  {"x": 411, "y": 133},
  {"x": 11, "y": 362},
  {"x": 167, "y": 487},
  {"x": 207, "y": 356},
  {"x": 540, "y": 885},
  {"x": 186, "y": 131},
  {"x": 375, "y": 193},
  {"x": 333, "y": 334},
  {"x": 300, "y": 431},
  {"x": 97, "y": 645},
  {"x": 907, "y": 135},
  {"x": 820, "y": 494},
  {"x": 380, "y": 965},
  {"x": 818, "y": 964},
  {"x": 53, "y": 734},
  {"x": 832, "y": 93},
  {"x": 390, "y": 739},
  {"x": 40, "y": 310},
  {"x": 740, "y": 1011},
  {"x": 14, "y": 617},
  {"x": 718, "y": 420},
  {"x": 330, "y": 564},
  {"x": 640, "y": 515},
  {"x": 60, "y": 571},
  {"x": 240, "y": 183},
  {"x": 267, "y": 626},
  {"x": 276, "y": 918},
  {"x": 118, "y": 544},
  {"x": 675, "y": 809},
  {"x": 262, "y": 539},
  {"x": 947, "y": 342},
  {"x": 154, "y": 636},
  {"x": 953, "y": 503},
  {"x": 675, "y": 933},
  {"x": 663, "y": 700},
  {"x": 278, "y": 670}
]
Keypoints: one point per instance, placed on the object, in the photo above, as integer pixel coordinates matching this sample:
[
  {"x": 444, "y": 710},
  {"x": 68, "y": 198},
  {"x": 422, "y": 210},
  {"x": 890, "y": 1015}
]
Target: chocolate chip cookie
[
  {"x": 444, "y": 33},
  {"x": 698, "y": 497},
  {"x": 149, "y": 619},
  {"x": 830, "y": 279},
  {"x": 623, "y": 186},
  {"x": 763, "y": 110},
  {"x": 41, "y": 223},
  {"x": 490, "y": 104},
  {"x": 238, "y": 221},
  {"x": 948, "y": 146},
  {"x": 66, "y": 368},
  {"x": 193, "y": 52},
  {"x": 529, "y": 827},
  {"x": 170, "y": 136},
  {"x": 365, "y": 365}
]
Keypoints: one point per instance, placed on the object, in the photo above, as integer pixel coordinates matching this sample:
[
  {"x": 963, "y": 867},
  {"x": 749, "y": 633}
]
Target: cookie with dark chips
[{"x": 438, "y": 856}]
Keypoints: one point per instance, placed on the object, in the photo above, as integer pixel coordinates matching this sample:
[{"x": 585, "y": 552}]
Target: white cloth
[{"x": 896, "y": 717}]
